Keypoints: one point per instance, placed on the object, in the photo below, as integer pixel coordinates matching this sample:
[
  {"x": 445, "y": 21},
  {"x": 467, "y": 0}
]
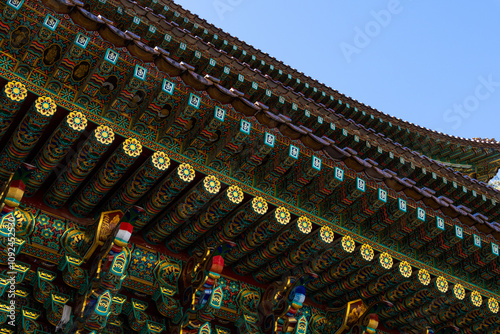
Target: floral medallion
[
  {"x": 326, "y": 234},
  {"x": 104, "y": 135},
  {"x": 282, "y": 215},
  {"x": 442, "y": 284},
  {"x": 367, "y": 252},
  {"x": 424, "y": 277},
  {"x": 476, "y": 298},
  {"x": 386, "y": 260},
  {"x": 304, "y": 225},
  {"x": 493, "y": 305},
  {"x": 459, "y": 291},
  {"x": 76, "y": 121},
  {"x": 405, "y": 269},
  {"x": 211, "y": 184},
  {"x": 348, "y": 244},
  {"x": 15, "y": 91},
  {"x": 235, "y": 194},
  {"x": 259, "y": 205},
  {"x": 132, "y": 147},
  {"x": 160, "y": 160},
  {"x": 185, "y": 172},
  {"x": 45, "y": 106}
]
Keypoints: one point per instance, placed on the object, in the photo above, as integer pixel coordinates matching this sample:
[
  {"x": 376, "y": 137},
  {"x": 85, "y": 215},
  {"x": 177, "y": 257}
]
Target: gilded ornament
[
  {"x": 386, "y": 260},
  {"x": 476, "y": 298},
  {"x": 104, "y": 135},
  {"x": 186, "y": 172},
  {"x": 326, "y": 234},
  {"x": 348, "y": 244},
  {"x": 132, "y": 147},
  {"x": 424, "y": 277},
  {"x": 16, "y": 91},
  {"x": 259, "y": 205},
  {"x": 235, "y": 194},
  {"x": 459, "y": 291},
  {"x": 442, "y": 284},
  {"x": 493, "y": 305},
  {"x": 161, "y": 160},
  {"x": 305, "y": 225},
  {"x": 211, "y": 184},
  {"x": 76, "y": 121},
  {"x": 367, "y": 252},
  {"x": 45, "y": 106},
  {"x": 405, "y": 269},
  {"x": 282, "y": 215}
]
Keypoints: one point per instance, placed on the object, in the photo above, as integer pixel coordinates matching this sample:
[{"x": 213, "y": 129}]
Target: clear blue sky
[{"x": 433, "y": 63}]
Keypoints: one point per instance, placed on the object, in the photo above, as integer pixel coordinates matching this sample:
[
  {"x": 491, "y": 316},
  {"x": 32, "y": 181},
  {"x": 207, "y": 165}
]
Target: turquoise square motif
[
  {"x": 245, "y": 127},
  {"x": 140, "y": 72},
  {"x": 15, "y": 4},
  {"x": 111, "y": 56},
  {"x": 50, "y": 22},
  {"x": 82, "y": 41},
  {"x": 168, "y": 87},
  {"x": 194, "y": 101}
]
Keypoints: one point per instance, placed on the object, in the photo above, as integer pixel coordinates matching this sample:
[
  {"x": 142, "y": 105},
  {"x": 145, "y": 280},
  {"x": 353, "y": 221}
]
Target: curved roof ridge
[{"x": 474, "y": 140}]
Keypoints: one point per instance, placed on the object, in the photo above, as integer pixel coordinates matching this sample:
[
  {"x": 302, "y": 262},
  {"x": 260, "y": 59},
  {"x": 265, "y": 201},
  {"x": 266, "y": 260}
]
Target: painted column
[
  {"x": 184, "y": 209},
  {"x": 107, "y": 176},
  {"x": 140, "y": 182},
  {"x": 80, "y": 166},
  {"x": 55, "y": 149},
  {"x": 217, "y": 210},
  {"x": 297, "y": 230},
  {"x": 27, "y": 134},
  {"x": 11, "y": 100},
  {"x": 266, "y": 229},
  {"x": 313, "y": 244},
  {"x": 162, "y": 195}
]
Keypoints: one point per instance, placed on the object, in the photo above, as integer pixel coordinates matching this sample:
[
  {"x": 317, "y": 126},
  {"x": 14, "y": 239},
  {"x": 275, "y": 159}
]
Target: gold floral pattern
[
  {"x": 282, "y": 215},
  {"x": 104, "y": 135},
  {"x": 132, "y": 147},
  {"x": 235, "y": 194},
  {"x": 459, "y": 291},
  {"x": 424, "y": 277},
  {"x": 493, "y": 305},
  {"x": 45, "y": 106},
  {"x": 348, "y": 244},
  {"x": 304, "y": 225},
  {"x": 442, "y": 284},
  {"x": 405, "y": 269},
  {"x": 211, "y": 184},
  {"x": 476, "y": 298},
  {"x": 160, "y": 160},
  {"x": 326, "y": 234},
  {"x": 76, "y": 121},
  {"x": 367, "y": 252},
  {"x": 259, "y": 205},
  {"x": 15, "y": 91},
  {"x": 386, "y": 261},
  {"x": 186, "y": 172}
]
